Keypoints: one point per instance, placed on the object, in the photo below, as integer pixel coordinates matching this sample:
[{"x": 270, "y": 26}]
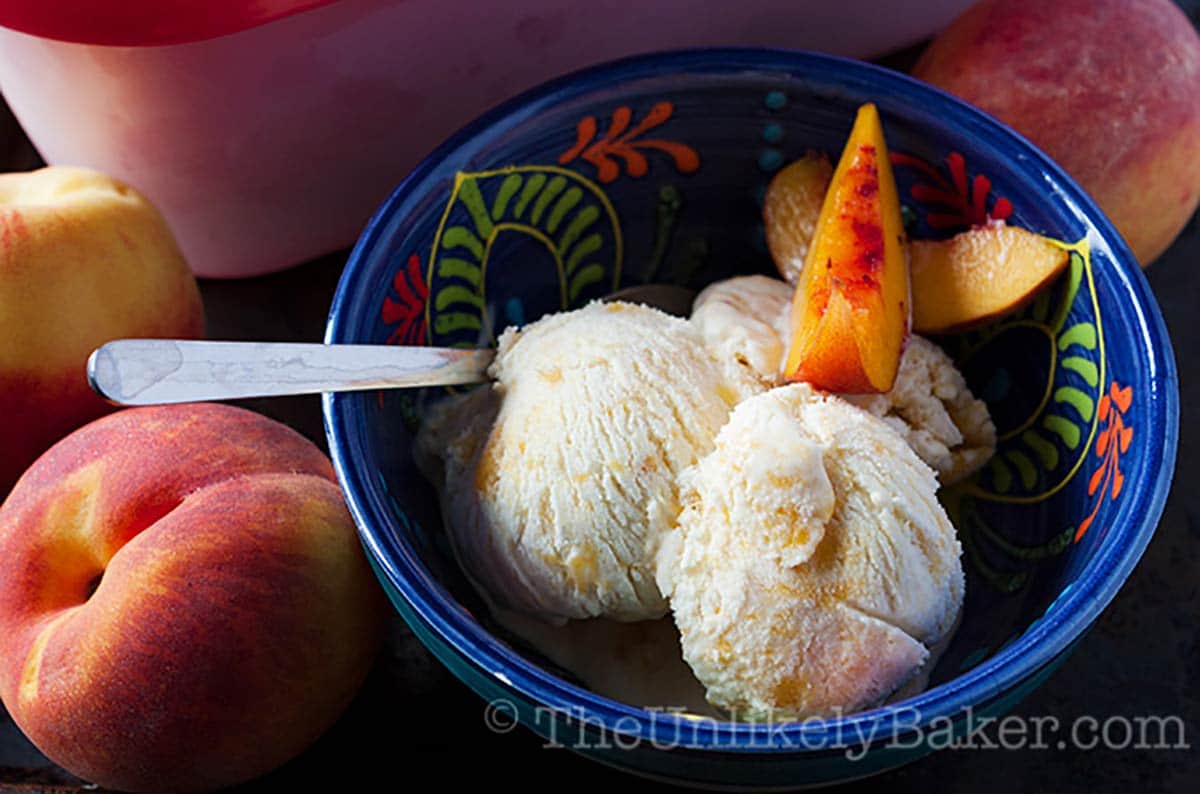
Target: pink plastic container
[{"x": 272, "y": 144}]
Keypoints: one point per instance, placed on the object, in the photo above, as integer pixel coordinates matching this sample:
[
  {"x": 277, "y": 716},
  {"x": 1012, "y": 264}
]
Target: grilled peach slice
[{"x": 850, "y": 314}]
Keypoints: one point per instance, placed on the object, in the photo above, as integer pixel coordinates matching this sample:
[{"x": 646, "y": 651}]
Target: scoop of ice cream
[
  {"x": 931, "y": 407},
  {"x": 560, "y": 479},
  {"x": 744, "y": 321},
  {"x": 812, "y": 566}
]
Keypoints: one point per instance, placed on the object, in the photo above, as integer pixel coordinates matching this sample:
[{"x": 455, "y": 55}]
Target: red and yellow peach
[{"x": 184, "y": 603}]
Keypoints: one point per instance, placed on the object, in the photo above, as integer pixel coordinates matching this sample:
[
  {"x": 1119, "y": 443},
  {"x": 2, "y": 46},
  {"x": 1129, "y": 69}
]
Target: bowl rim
[{"x": 1040, "y": 644}]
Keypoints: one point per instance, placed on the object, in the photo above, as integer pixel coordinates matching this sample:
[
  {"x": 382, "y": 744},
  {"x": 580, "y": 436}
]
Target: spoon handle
[{"x": 159, "y": 371}]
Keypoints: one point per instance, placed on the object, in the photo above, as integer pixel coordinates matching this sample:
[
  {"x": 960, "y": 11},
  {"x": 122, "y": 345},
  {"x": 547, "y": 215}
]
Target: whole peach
[
  {"x": 83, "y": 259},
  {"x": 184, "y": 604},
  {"x": 1108, "y": 88}
]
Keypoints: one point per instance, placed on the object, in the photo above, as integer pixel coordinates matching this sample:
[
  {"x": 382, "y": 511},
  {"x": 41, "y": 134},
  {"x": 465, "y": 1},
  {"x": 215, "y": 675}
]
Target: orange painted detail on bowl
[
  {"x": 620, "y": 145},
  {"x": 1111, "y": 443}
]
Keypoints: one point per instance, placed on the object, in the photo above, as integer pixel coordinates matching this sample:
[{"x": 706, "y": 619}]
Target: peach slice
[
  {"x": 979, "y": 275},
  {"x": 850, "y": 312},
  {"x": 791, "y": 208}
]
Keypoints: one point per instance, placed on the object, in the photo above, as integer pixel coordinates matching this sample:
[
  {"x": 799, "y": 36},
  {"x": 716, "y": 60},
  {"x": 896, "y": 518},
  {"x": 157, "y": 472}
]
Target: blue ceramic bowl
[{"x": 653, "y": 169}]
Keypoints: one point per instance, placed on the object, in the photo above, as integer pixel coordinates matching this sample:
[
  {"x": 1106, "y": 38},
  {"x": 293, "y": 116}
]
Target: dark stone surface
[{"x": 414, "y": 720}]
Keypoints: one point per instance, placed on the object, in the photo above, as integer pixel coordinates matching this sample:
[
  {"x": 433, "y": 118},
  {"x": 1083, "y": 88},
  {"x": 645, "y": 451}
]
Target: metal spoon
[{"x": 161, "y": 371}]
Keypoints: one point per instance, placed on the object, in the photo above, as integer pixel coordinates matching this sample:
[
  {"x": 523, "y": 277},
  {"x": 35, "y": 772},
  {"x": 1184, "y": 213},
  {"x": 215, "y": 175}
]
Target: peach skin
[
  {"x": 1108, "y": 88},
  {"x": 184, "y": 604},
  {"x": 83, "y": 259}
]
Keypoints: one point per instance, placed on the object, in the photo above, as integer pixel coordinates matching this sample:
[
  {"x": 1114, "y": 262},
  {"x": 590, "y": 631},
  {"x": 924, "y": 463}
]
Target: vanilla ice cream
[
  {"x": 559, "y": 480},
  {"x": 931, "y": 407},
  {"x": 744, "y": 321},
  {"x": 812, "y": 567}
]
